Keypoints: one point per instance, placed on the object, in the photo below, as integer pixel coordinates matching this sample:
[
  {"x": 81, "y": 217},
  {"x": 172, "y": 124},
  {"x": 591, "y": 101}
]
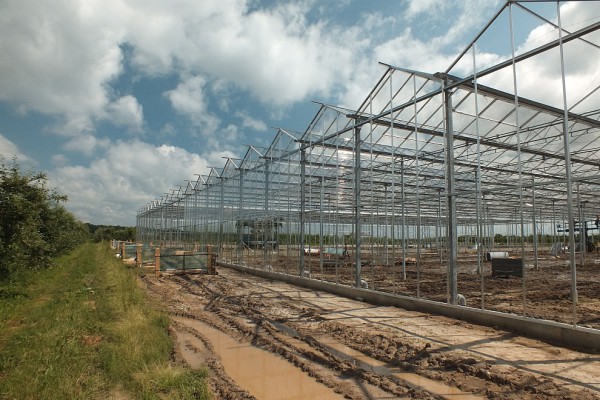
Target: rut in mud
[{"x": 361, "y": 351}]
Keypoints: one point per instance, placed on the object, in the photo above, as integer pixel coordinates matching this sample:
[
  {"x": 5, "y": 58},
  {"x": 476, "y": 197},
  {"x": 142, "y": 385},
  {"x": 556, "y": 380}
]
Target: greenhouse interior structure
[{"x": 480, "y": 181}]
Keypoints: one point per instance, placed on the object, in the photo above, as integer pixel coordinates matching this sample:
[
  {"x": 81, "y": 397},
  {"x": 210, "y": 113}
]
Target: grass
[{"x": 85, "y": 329}]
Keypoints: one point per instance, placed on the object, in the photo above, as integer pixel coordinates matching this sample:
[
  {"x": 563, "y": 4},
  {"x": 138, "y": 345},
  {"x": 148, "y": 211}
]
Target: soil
[
  {"x": 308, "y": 328},
  {"x": 547, "y": 285}
]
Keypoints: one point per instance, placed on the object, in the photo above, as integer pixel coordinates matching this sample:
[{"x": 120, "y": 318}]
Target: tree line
[{"x": 100, "y": 233}]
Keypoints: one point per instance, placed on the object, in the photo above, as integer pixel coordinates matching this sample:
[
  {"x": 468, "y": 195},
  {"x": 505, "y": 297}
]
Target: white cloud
[
  {"x": 188, "y": 99},
  {"x": 539, "y": 77},
  {"x": 418, "y": 7},
  {"x": 129, "y": 175},
  {"x": 274, "y": 53},
  {"x": 58, "y": 56},
  {"x": 86, "y": 144},
  {"x": 9, "y": 150},
  {"x": 409, "y": 52},
  {"x": 60, "y": 160},
  {"x": 250, "y": 122},
  {"x": 229, "y": 135},
  {"x": 69, "y": 54},
  {"x": 126, "y": 111}
]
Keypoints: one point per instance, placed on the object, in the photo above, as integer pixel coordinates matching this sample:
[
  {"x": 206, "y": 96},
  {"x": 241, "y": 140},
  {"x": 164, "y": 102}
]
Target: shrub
[{"x": 34, "y": 226}]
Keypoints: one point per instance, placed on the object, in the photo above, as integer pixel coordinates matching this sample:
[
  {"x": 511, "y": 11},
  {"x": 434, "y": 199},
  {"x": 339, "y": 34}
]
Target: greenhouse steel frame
[{"x": 429, "y": 165}]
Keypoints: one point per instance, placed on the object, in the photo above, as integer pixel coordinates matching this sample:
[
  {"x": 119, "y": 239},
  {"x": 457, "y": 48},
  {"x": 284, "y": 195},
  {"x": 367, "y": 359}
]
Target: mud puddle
[
  {"x": 191, "y": 349},
  {"x": 377, "y": 367},
  {"x": 264, "y": 375}
]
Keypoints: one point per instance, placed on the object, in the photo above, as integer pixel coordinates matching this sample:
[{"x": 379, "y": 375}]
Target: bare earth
[{"x": 361, "y": 351}]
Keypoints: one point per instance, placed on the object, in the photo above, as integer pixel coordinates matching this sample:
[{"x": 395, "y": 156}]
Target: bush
[{"x": 34, "y": 226}]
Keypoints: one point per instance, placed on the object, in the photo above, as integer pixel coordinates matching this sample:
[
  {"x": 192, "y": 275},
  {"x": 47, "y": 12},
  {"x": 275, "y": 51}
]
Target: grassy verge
[{"x": 86, "y": 330}]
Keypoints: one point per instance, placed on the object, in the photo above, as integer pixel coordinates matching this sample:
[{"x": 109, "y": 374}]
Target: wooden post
[
  {"x": 157, "y": 262},
  {"x": 122, "y": 250},
  {"x": 209, "y": 259},
  {"x": 138, "y": 255}
]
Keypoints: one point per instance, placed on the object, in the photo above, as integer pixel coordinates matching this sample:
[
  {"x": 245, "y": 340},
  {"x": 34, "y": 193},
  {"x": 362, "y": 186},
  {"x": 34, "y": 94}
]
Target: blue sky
[{"x": 121, "y": 100}]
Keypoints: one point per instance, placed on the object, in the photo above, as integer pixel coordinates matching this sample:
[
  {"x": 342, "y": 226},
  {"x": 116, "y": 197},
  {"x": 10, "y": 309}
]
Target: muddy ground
[
  {"x": 547, "y": 286},
  {"x": 308, "y": 328}
]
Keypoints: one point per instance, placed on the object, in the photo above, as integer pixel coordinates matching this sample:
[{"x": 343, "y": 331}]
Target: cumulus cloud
[
  {"x": 274, "y": 53},
  {"x": 582, "y": 72},
  {"x": 127, "y": 176},
  {"x": 418, "y": 7},
  {"x": 249, "y": 122},
  {"x": 86, "y": 144},
  {"x": 9, "y": 150},
  {"x": 188, "y": 99},
  {"x": 56, "y": 57},
  {"x": 60, "y": 160},
  {"x": 126, "y": 111},
  {"x": 69, "y": 54}
]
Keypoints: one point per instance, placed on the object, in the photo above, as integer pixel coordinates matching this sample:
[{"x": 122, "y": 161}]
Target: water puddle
[
  {"x": 191, "y": 349},
  {"x": 370, "y": 364},
  {"x": 264, "y": 375},
  {"x": 377, "y": 367}
]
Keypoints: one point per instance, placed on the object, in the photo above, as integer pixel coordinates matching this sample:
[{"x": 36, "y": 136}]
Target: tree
[
  {"x": 110, "y": 232},
  {"x": 34, "y": 226}
]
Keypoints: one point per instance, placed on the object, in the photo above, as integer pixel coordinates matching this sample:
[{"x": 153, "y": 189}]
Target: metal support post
[
  {"x": 302, "y": 206},
  {"x": 357, "y": 205},
  {"x": 451, "y": 199}
]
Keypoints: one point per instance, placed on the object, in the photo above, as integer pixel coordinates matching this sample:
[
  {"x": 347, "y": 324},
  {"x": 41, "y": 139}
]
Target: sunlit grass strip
[{"x": 85, "y": 329}]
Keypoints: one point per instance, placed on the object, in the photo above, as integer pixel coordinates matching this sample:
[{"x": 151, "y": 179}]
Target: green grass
[{"x": 85, "y": 329}]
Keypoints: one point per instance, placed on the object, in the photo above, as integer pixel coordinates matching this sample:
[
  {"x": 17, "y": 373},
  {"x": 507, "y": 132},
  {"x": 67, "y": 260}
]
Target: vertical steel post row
[
  {"x": 418, "y": 187},
  {"x": 196, "y": 212},
  {"x": 357, "y": 205},
  {"x": 519, "y": 158},
  {"x": 186, "y": 216},
  {"x": 403, "y": 212},
  {"x": 451, "y": 199},
  {"x": 478, "y": 191},
  {"x": 175, "y": 215},
  {"x": 371, "y": 196},
  {"x": 568, "y": 173},
  {"x": 240, "y": 223},
  {"x": 492, "y": 226},
  {"x": 288, "y": 225},
  {"x": 268, "y": 221},
  {"x": 393, "y": 173},
  {"x": 385, "y": 234},
  {"x": 479, "y": 222},
  {"x": 302, "y": 206},
  {"x": 207, "y": 209},
  {"x": 167, "y": 222},
  {"x": 138, "y": 229},
  {"x": 438, "y": 227},
  {"x": 162, "y": 224},
  {"x": 179, "y": 220},
  {"x": 583, "y": 233},
  {"x": 554, "y": 236},
  {"x": 480, "y": 263},
  {"x": 535, "y": 228},
  {"x": 581, "y": 219},
  {"x": 321, "y": 212},
  {"x": 221, "y": 213},
  {"x": 337, "y": 219}
]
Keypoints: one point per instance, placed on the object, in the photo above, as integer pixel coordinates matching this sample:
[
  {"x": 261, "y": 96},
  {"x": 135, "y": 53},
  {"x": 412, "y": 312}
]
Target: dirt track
[{"x": 329, "y": 338}]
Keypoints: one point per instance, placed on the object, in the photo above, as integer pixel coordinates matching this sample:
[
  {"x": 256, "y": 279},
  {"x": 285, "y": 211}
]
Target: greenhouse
[{"x": 477, "y": 182}]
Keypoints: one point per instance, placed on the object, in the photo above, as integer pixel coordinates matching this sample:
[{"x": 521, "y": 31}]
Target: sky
[{"x": 119, "y": 101}]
